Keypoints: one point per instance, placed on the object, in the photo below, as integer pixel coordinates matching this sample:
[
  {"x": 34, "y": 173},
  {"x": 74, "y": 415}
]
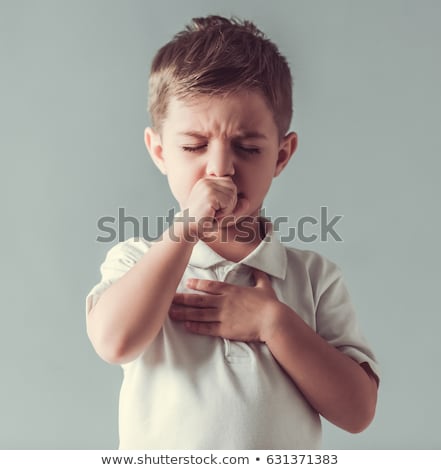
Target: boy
[{"x": 227, "y": 338}]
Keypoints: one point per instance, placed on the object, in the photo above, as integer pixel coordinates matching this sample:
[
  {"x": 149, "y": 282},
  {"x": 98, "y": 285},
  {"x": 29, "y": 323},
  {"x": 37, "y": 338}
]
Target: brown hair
[{"x": 219, "y": 56}]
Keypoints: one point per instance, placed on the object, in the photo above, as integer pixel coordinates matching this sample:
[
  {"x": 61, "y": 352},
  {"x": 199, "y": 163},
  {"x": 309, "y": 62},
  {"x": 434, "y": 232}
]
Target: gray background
[{"x": 73, "y": 110}]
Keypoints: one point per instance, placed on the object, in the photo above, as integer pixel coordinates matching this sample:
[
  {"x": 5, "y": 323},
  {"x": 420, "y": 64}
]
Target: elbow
[
  {"x": 357, "y": 422},
  {"x": 107, "y": 350},
  {"x": 365, "y": 410},
  {"x": 112, "y": 353},
  {"x": 360, "y": 425},
  {"x": 109, "y": 347},
  {"x": 114, "y": 348},
  {"x": 363, "y": 416}
]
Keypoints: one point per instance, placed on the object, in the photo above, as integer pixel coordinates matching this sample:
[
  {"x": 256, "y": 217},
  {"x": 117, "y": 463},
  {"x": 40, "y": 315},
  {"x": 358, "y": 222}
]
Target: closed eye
[{"x": 245, "y": 149}]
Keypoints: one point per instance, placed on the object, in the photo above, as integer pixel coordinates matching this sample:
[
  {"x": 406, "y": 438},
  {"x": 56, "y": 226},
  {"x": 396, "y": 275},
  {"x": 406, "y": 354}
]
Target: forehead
[{"x": 240, "y": 113}]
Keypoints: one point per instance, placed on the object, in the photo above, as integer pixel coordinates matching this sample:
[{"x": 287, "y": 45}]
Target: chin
[{"x": 226, "y": 223}]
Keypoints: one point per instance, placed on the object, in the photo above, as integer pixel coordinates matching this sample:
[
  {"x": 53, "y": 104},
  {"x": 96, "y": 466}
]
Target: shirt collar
[{"x": 269, "y": 256}]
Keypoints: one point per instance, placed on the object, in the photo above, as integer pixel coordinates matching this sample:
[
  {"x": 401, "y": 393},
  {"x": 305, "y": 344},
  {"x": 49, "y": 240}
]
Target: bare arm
[
  {"x": 130, "y": 313},
  {"x": 339, "y": 388}
]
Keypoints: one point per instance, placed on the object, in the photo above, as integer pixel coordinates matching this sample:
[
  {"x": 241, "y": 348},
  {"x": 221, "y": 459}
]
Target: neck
[{"x": 235, "y": 242}]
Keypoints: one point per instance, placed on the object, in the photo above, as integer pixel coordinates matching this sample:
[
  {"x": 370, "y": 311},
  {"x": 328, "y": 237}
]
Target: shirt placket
[{"x": 234, "y": 351}]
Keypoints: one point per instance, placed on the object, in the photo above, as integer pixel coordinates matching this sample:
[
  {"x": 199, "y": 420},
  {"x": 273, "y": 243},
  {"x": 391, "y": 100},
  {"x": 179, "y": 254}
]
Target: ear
[
  {"x": 286, "y": 149},
  {"x": 153, "y": 144}
]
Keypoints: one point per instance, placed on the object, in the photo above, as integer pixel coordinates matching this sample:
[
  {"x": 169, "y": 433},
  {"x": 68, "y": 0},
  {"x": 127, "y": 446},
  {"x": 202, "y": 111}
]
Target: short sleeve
[
  {"x": 119, "y": 259},
  {"x": 337, "y": 321}
]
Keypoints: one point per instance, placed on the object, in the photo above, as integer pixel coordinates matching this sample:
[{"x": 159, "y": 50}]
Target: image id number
[{"x": 301, "y": 459}]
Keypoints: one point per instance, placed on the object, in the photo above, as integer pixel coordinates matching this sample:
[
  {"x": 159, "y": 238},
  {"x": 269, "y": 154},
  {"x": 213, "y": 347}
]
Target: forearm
[
  {"x": 131, "y": 312},
  {"x": 334, "y": 384}
]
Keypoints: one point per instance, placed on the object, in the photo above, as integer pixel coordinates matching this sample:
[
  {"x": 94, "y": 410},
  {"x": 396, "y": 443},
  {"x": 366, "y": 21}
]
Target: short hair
[{"x": 217, "y": 56}]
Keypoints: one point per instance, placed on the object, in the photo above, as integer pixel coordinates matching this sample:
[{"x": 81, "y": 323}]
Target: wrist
[
  {"x": 195, "y": 226},
  {"x": 273, "y": 320},
  {"x": 182, "y": 229}
]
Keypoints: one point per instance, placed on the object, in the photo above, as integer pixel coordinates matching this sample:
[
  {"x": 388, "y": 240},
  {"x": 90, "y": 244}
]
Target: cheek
[
  {"x": 179, "y": 186},
  {"x": 263, "y": 184},
  {"x": 181, "y": 181},
  {"x": 259, "y": 179}
]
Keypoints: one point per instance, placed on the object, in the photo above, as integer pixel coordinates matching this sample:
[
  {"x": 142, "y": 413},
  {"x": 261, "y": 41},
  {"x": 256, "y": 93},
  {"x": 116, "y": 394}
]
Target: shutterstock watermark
[{"x": 307, "y": 229}]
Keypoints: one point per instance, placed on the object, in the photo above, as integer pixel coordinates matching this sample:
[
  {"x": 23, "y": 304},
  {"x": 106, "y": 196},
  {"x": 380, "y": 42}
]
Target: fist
[{"x": 211, "y": 200}]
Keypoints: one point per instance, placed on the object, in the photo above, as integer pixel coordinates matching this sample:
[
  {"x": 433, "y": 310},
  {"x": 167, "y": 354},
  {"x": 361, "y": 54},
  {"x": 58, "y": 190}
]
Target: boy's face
[{"x": 206, "y": 137}]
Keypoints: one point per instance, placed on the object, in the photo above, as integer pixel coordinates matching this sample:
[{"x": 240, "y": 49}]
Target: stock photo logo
[{"x": 306, "y": 229}]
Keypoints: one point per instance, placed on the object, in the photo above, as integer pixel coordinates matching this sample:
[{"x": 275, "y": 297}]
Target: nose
[{"x": 220, "y": 162}]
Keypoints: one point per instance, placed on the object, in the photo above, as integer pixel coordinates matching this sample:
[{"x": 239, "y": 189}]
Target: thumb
[{"x": 261, "y": 278}]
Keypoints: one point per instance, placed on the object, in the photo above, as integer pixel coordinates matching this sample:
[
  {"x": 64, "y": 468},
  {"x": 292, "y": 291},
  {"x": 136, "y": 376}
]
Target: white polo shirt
[{"x": 188, "y": 391}]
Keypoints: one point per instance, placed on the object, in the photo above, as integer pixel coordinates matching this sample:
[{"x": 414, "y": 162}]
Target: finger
[
  {"x": 194, "y": 300},
  {"x": 224, "y": 181},
  {"x": 182, "y": 313},
  {"x": 218, "y": 182},
  {"x": 208, "y": 329},
  {"x": 218, "y": 178},
  {"x": 226, "y": 194},
  {"x": 226, "y": 205},
  {"x": 224, "y": 188},
  {"x": 261, "y": 278},
  {"x": 208, "y": 285}
]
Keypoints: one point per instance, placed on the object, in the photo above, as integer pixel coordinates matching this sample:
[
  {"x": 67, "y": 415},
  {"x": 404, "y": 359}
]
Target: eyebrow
[{"x": 239, "y": 135}]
